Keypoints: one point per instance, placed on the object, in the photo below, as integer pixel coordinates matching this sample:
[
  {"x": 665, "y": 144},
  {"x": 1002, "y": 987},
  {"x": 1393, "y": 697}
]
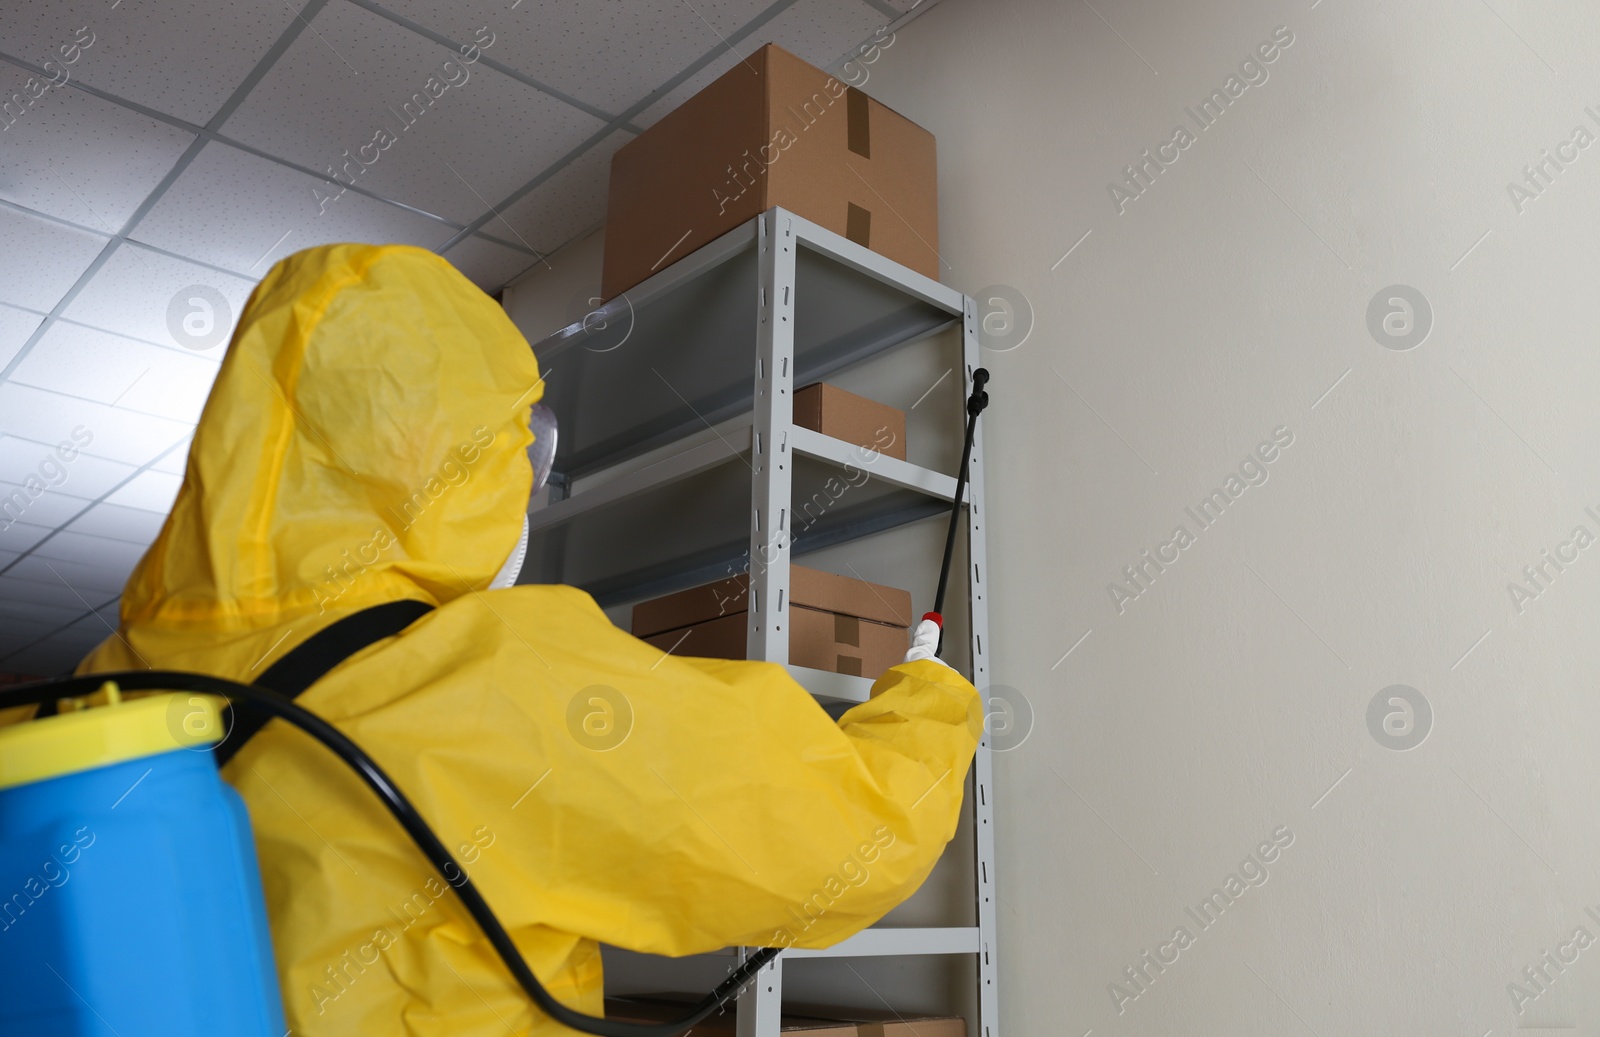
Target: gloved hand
[{"x": 925, "y": 643}]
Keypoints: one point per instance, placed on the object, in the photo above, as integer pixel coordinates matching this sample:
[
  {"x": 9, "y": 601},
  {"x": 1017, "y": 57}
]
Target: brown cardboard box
[
  {"x": 829, "y": 1020},
  {"x": 835, "y": 623},
  {"x": 834, "y": 412},
  {"x": 801, "y": 1020},
  {"x": 664, "y": 1008},
  {"x": 773, "y": 130}
]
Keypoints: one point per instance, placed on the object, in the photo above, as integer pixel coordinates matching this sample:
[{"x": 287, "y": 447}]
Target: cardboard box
[
  {"x": 835, "y": 623},
  {"x": 664, "y": 1008},
  {"x": 801, "y": 1020},
  {"x": 773, "y": 130},
  {"x": 834, "y": 412},
  {"x": 832, "y": 1021}
]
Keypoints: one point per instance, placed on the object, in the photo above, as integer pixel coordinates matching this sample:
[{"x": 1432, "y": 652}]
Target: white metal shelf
[
  {"x": 730, "y": 445},
  {"x": 891, "y": 470},
  {"x": 889, "y": 941},
  {"x": 825, "y": 684},
  {"x": 672, "y": 354},
  {"x": 680, "y": 453}
]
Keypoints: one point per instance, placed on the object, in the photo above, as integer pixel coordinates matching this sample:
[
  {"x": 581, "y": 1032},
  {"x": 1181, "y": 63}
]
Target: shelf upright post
[
  {"x": 772, "y": 470},
  {"x": 982, "y": 774}
]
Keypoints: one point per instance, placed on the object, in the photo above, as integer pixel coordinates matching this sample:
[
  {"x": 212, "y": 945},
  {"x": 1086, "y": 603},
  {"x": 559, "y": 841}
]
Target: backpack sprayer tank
[{"x": 132, "y": 900}]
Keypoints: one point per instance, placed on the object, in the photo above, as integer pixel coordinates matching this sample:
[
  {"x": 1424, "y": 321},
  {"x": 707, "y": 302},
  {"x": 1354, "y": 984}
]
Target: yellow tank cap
[{"x": 83, "y": 736}]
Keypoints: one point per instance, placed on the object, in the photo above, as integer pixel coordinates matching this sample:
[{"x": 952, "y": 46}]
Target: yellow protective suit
[{"x": 365, "y": 442}]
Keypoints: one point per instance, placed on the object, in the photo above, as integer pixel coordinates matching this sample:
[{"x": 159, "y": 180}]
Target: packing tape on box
[
  {"x": 860, "y": 125},
  {"x": 858, "y": 225},
  {"x": 858, "y": 221}
]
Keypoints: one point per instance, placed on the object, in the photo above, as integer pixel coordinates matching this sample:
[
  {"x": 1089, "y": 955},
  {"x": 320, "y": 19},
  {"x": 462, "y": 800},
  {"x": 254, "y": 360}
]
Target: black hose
[{"x": 410, "y": 820}]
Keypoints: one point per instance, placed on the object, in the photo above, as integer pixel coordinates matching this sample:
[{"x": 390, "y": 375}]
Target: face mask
[{"x": 542, "y": 421}]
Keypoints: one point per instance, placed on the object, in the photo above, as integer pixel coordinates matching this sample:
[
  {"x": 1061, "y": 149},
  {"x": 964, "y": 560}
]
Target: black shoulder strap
[{"x": 308, "y": 661}]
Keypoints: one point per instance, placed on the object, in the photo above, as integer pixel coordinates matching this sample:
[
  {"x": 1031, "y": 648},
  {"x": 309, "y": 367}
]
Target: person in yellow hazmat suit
[{"x": 366, "y": 442}]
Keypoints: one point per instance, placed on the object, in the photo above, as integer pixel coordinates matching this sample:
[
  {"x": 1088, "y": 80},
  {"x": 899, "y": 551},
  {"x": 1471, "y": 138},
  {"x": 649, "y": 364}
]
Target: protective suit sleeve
[
  {"x": 802, "y": 831},
  {"x": 656, "y": 803},
  {"x": 873, "y": 800}
]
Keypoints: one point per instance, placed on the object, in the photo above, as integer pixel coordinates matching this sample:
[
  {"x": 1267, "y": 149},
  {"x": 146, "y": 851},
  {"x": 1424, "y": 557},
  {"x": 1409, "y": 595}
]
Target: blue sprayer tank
[{"x": 130, "y": 900}]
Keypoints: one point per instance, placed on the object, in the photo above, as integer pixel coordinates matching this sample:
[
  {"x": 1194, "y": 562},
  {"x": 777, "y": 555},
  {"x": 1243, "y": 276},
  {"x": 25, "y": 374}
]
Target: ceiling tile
[
  {"x": 82, "y": 478},
  {"x": 456, "y": 155},
  {"x": 17, "y": 632},
  {"x": 53, "y": 656},
  {"x": 15, "y": 327},
  {"x": 20, "y": 536},
  {"x": 107, "y": 368},
  {"x": 51, "y": 592},
  {"x": 173, "y": 462},
  {"x": 101, "y": 623},
  {"x": 604, "y": 53},
  {"x": 118, "y": 523},
  {"x": 137, "y": 292},
  {"x": 81, "y": 158},
  {"x": 84, "y": 549},
  {"x": 488, "y": 264},
  {"x": 19, "y": 635},
  {"x": 62, "y": 255},
  {"x": 564, "y": 206},
  {"x": 152, "y": 491},
  {"x": 244, "y": 213},
  {"x": 37, "y": 612},
  {"x": 820, "y": 31},
  {"x": 182, "y": 57},
  {"x": 118, "y": 434},
  {"x": 89, "y": 584},
  {"x": 51, "y": 507}
]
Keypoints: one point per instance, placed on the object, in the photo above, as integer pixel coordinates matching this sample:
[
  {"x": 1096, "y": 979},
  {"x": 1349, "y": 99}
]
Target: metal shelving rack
[{"x": 660, "y": 395}]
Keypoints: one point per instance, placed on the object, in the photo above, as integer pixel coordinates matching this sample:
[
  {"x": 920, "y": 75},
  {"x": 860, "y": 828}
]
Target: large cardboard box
[
  {"x": 835, "y": 623},
  {"x": 665, "y": 1008},
  {"x": 801, "y": 1020},
  {"x": 855, "y": 419},
  {"x": 773, "y": 130}
]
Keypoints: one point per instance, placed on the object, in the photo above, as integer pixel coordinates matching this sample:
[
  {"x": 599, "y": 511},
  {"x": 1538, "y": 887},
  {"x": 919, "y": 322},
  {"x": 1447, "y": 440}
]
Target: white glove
[{"x": 925, "y": 643}]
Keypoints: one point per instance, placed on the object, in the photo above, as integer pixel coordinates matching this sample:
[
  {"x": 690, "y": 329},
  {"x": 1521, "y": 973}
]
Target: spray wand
[{"x": 975, "y": 405}]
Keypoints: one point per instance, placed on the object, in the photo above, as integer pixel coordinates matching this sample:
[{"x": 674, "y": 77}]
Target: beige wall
[
  {"x": 1229, "y": 696},
  {"x": 1230, "y": 300}
]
